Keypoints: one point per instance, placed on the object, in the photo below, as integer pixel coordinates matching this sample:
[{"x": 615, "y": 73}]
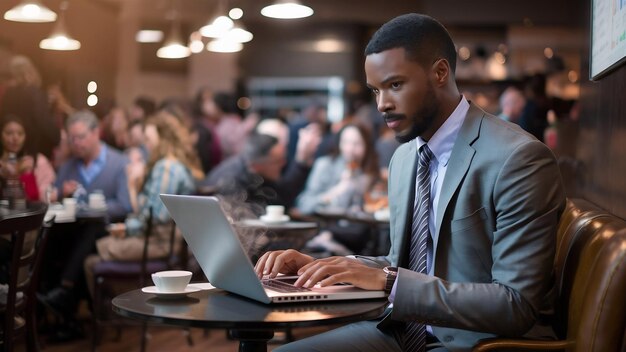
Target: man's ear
[{"x": 441, "y": 71}]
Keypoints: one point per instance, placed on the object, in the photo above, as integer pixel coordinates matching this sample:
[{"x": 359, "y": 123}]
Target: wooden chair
[
  {"x": 133, "y": 272},
  {"x": 590, "y": 268},
  {"x": 18, "y": 315}
]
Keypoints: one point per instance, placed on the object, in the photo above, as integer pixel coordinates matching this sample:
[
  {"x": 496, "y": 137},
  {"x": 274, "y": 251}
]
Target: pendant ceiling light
[
  {"x": 219, "y": 25},
  {"x": 30, "y": 11},
  {"x": 59, "y": 39},
  {"x": 287, "y": 9},
  {"x": 224, "y": 46},
  {"x": 174, "y": 46},
  {"x": 238, "y": 34}
]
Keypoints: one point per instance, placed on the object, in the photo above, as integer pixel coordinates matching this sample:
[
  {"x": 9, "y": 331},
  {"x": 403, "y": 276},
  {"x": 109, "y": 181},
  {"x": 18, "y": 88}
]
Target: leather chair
[
  {"x": 136, "y": 273},
  {"x": 590, "y": 269},
  {"x": 19, "y": 314}
]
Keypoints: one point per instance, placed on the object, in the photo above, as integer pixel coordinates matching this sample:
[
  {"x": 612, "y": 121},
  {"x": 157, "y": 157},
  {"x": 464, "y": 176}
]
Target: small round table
[{"x": 250, "y": 322}]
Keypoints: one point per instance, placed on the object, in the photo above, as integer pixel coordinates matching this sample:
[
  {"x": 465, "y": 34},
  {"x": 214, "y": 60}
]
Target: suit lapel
[
  {"x": 460, "y": 161},
  {"x": 405, "y": 195}
]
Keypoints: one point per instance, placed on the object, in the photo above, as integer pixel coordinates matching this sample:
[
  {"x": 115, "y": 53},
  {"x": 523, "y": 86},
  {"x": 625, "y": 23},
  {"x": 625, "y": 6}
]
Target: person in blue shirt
[{"x": 94, "y": 166}]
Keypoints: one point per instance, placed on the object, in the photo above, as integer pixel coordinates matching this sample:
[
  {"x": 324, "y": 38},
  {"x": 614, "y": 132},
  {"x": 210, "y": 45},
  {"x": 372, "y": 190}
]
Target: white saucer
[
  {"x": 203, "y": 286},
  {"x": 268, "y": 220},
  {"x": 153, "y": 289}
]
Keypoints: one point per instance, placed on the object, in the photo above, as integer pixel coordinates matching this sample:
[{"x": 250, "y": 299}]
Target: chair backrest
[
  {"x": 144, "y": 256},
  {"x": 27, "y": 241},
  {"x": 145, "y": 259},
  {"x": 597, "y": 307},
  {"x": 578, "y": 223},
  {"x": 590, "y": 272},
  {"x": 570, "y": 222}
]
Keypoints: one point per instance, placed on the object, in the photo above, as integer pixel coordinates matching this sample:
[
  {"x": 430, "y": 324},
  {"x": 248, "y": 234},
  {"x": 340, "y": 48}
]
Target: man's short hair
[
  {"x": 85, "y": 116},
  {"x": 424, "y": 39},
  {"x": 258, "y": 147}
]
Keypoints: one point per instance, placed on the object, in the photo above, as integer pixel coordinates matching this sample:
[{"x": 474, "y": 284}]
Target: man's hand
[
  {"x": 284, "y": 262},
  {"x": 69, "y": 187},
  {"x": 309, "y": 138},
  {"x": 333, "y": 270}
]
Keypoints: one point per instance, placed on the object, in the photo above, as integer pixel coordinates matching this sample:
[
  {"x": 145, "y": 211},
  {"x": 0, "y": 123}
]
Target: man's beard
[{"x": 422, "y": 120}]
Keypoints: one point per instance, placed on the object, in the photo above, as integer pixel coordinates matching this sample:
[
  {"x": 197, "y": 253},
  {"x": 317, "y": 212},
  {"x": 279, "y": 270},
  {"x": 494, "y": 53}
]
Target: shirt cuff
[{"x": 392, "y": 294}]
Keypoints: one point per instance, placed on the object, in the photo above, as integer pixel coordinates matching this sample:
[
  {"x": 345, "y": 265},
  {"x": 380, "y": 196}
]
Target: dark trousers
[{"x": 69, "y": 246}]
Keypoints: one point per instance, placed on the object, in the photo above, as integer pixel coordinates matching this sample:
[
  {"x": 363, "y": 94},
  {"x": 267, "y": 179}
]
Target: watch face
[{"x": 390, "y": 270}]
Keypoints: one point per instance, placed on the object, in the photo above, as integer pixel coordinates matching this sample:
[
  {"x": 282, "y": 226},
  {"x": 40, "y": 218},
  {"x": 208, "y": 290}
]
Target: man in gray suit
[{"x": 494, "y": 202}]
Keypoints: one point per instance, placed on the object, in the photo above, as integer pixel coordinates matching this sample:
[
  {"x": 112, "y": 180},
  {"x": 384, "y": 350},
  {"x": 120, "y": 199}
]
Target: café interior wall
[
  {"x": 601, "y": 142},
  {"x": 288, "y": 49},
  {"x": 96, "y": 28}
]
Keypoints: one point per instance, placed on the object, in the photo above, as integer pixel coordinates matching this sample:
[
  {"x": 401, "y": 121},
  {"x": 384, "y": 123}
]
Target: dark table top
[
  {"x": 219, "y": 309},
  {"x": 351, "y": 215}
]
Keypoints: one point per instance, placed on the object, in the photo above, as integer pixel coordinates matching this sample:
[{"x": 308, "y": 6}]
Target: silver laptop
[{"x": 219, "y": 252}]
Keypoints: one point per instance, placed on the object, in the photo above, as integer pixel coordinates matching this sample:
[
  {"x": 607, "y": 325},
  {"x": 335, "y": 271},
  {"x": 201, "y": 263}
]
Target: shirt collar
[{"x": 443, "y": 140}]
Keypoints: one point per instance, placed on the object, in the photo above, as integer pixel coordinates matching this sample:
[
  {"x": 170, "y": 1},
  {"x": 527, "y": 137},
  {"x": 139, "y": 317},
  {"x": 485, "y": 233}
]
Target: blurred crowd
[{"x": 204, "y": 146}]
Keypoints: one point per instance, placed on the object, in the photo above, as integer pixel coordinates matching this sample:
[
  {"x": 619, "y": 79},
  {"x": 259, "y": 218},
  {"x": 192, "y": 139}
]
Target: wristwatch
[{"x": 391, "y": 273}]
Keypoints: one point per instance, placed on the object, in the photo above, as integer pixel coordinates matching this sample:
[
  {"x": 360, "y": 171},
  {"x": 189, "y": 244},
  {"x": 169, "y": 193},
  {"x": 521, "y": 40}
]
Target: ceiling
[{"x": 374, "y": 12}]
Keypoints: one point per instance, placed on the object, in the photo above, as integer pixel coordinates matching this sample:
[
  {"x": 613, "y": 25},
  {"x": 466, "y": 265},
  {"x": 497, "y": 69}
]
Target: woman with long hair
[
  {"x": 26, "y": 99},
  {"x": 32, "y": 169},
  {"x": 338, "y": 182},
  {"x": 340, "y": 179},
  {"x": 171, "y": 168}
]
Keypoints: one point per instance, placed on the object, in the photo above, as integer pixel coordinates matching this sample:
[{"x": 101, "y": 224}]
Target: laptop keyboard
[{"x": 281, "y": 286}]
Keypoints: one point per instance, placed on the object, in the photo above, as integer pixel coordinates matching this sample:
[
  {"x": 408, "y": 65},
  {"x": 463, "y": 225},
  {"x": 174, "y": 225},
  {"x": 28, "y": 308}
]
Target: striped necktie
[{"x": 415, "y": 333}]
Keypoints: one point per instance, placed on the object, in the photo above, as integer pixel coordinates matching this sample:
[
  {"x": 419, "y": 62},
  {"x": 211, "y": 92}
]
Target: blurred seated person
[
  {"x": 33, "y": 170},
  {"x": 207, "y": 118},
  {"x": 385, "y": 145},
  {"x": 341, "y": 179},
  {"x": 338, "y": 182},
  {"x": 232, "y": 129},
  {"x": 255, "y": 175},
  {"x": 92, "y": 166},
  {"x": 169, "y": 170},
  {"x": 512, "y": 102},
  {"x": 115, "y": 128},
  {"x": 136, "y": 139},
  {"x": 142, "y": 107},
  {"x": 315, "y": 114},
  {"x": 25, "y": 98}
]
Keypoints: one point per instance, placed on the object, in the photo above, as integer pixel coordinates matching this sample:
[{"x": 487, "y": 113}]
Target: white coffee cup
[
  {"x": 171, "y": 280},
  {"x": 274, "y": 212},
  {"x": 97, "y": 200},
  {"x": 69, "y": 205}
]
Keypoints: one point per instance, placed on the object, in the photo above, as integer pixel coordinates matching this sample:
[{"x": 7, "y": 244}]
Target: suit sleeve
[{"x": 527, "y": 200}]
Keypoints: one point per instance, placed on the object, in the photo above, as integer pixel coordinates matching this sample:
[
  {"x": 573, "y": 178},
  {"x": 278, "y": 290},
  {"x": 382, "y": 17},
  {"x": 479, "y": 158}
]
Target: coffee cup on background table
[
  {"x": 171, "y": 280},
  {"x": 97, "y": 201},
  {"x": 274, "y": 212},
  {"x": 69, "y": 205}
]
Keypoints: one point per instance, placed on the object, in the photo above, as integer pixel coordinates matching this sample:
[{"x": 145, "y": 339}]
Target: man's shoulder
[
  {"x": 115, "y": 156},
  {"x": 507, "y": 135},
  {"x": 232, "y": 167},
  {"x": 68, "y": 167}
]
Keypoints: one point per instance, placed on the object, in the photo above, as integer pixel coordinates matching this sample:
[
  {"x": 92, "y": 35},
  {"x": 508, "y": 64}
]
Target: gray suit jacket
[{"x": 498, "y": 213}]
